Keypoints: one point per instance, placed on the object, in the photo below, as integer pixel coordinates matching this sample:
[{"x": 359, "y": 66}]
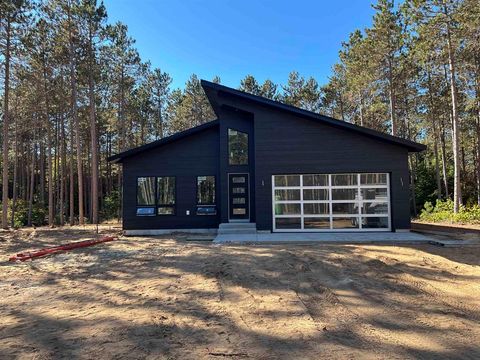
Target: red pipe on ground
[{"x": 56, "y": 249}]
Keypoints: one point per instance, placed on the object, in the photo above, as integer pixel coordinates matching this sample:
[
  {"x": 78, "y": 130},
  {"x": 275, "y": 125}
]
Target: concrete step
[{"x": 237, "y": 228}]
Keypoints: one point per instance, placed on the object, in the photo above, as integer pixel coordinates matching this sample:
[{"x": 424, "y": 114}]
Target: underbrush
[{"x": 443, "y": 212}]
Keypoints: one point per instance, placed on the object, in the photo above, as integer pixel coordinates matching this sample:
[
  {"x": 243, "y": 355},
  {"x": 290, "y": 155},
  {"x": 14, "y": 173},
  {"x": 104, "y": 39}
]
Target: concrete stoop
[{"x": 235, "y": 228}]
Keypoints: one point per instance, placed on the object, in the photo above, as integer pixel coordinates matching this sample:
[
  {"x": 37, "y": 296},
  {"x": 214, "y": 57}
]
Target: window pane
[
  {"x": 142, "y": 211},
  {"x": 287, "y": 180},
  {"x": 146, "y": 190},
  {"x": 344, "y": 194},
  {"x": 316, "y": 209},
  {"x": 375, "y": 222},
  {"x": 315, "y": 194},
  {"x": 237, "y": 201},
  {"x": 287, "y": 209},
  {"x": 344, "y": 179},
  {"x": 345, "y": 223},
  {"x": 239, "y": 211},
  {"x": 166, "y": 190},
  {"x": 206, "y": 190},
  {"x": 373, "y": 179},
  {"x": 315, "y": 180},
  {"x": 316, "y": 223},
  {"x": 283, "y": 195},
  {"x": 374, "y": 194},
  {"x": 345, "y": 208},
  {"x": 238, "y": 190},
  {"x": 166, "y": 210},
  {"x": 375, "y": 208},
  {"x": 239, "y": 179},
  {"x": 206, "y": 210},
  {"x": 237, "y": 147},
  {"x": 288, "y": 223}
]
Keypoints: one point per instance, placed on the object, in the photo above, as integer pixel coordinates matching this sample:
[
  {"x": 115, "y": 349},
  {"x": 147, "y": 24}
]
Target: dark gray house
[{"x": 269, "y": 164}]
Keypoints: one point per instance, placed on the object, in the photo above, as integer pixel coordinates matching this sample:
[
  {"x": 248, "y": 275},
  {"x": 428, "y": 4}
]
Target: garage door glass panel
[
  {"x": 379, "y": 194},
  {"x": 345, "y": 208},
  {"x": 375, "y": 222},
  {"x": 287, "y": 180},
  {"x": 345, "y": 223},
  {"x": 329, "y": 202},
  {"x": 316, "y": 209},
  {"x": 344, "y": 194},
  {"x": 287, "y": 195},
  {"x": 317, "y": 223},
  {"x": 375, "y": 208},
  {"x": 373, "y": 179},
  {"x": 315, "y": 194},
  {"x": 315, "y": 180},
  {"x": 288, "y": 223},
  {"x": 287, "y": 209},
  {"x": 344, "y": 179}
]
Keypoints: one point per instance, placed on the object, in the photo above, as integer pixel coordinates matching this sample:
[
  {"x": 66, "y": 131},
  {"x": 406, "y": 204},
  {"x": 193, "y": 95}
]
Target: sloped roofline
[
  {"x": 166, "y": 140},
  {"x": 412, "y": 146}
]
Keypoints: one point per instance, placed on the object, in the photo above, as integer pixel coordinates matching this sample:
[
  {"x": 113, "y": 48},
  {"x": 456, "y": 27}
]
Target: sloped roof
[
  {"x": 166, "y": 140},
  {"x": 215, "y": 92}
]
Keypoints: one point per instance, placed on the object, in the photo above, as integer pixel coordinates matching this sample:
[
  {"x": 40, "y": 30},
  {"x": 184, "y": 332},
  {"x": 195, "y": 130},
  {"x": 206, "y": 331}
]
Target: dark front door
[{"x": 238, "y": 197}]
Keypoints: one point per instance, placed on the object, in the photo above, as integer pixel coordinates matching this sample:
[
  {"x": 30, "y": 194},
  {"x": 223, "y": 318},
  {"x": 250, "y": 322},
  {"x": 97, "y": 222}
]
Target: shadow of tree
[{"x": 163, "y": 297}]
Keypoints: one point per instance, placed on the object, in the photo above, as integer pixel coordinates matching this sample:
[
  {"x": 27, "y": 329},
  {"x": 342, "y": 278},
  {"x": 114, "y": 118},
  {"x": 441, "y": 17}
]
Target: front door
[{"x": 239, "y": 207}]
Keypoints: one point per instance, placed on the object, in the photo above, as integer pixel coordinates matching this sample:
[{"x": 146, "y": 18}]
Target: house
[{"x": 274, "y": 166}]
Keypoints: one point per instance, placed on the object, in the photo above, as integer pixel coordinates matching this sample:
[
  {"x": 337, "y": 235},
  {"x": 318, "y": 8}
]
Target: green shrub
[
  {"x": 443, "y": 211},
  {"x": 111, "y": 206},
  {"x": 21, "y": 214}
]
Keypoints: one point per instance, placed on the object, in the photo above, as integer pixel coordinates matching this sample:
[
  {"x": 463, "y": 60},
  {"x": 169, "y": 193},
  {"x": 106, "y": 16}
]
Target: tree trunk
[
  {"x": 6, "y": 116},
  {"x": 93, "y": 135},
  {"x": 457, "y": 185},
  {"x": 391, "y": 94}
]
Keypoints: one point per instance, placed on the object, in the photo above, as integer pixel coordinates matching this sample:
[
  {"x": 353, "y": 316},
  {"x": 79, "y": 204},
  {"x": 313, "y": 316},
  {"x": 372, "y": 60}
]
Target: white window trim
[{"x": 359, "y": 201}]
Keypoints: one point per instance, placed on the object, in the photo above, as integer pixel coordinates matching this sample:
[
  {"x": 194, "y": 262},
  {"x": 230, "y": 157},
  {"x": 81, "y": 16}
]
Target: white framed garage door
[{"x": 331, "y": 202}]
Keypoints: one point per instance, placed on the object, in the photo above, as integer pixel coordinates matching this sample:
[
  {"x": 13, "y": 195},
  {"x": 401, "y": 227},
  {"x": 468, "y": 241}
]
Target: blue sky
[{"x": 265, "y": 38}]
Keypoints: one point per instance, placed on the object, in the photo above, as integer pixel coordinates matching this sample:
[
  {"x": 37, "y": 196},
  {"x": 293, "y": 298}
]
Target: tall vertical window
[
  {"x": 237, "y": 147},
  {"x": 146, "y": 196},
  {"x": 166, "y": 195},
  {"x": 206, "y": 190}
]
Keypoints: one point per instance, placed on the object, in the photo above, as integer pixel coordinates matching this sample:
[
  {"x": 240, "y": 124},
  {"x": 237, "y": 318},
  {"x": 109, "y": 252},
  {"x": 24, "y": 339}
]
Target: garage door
[{"x": 331, "y": 202}]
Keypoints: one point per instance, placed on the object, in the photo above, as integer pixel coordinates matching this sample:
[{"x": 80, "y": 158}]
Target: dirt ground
[{"x": 167, "y": 298}]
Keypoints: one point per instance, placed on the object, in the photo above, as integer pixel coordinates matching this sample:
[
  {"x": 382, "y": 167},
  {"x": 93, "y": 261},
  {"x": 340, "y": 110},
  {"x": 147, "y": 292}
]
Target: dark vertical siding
[
  {"x": 185, "y": 159},
  {"x": 288, "y": 144},
  {"x": 240, "y": 121}
]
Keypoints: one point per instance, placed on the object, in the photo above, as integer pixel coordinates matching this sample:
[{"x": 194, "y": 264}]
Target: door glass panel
[
  {"x": 284, "y": 195},
  {"x": 344, "y": 179},
  {"x": 239, "y": 179},
  {"x": 315, "y": 194},
  {"x": 374, "y": 194},
  {"x": 375, "y": 208},
  {"x": 288, "y": 223},
  {"x": 345, "y": 208},
  {"x": 238, "y": 190},
  {"x": 316, "y": 223},
  {"x": 345, "y": 222},
  {"x": 287, "y": 180},
  {"x": 287, "y": 209},
  {"x": 373, "y": 179},
  {"x": 375, "y": 222},
  {"x": 316, "y": 209},
  {"x": 239, "y": 211},
  {"x": 344, "y": 194},
  {"x": 315, "y": 180},
  {"x": 237, "y": 201}
]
